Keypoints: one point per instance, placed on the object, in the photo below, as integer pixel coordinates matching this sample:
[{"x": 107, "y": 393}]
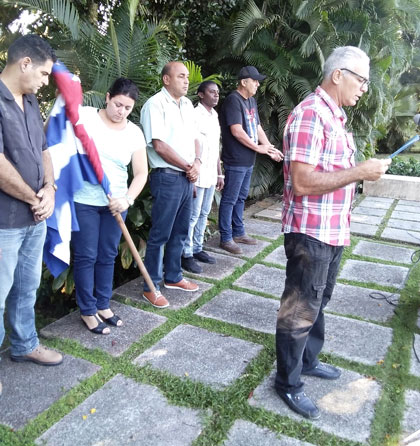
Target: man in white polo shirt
[{"x": 167, "y": 119}]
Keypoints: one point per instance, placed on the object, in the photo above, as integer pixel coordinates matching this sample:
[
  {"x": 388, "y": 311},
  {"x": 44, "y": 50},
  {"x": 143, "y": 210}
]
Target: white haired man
[{"x": 319, "y": 182}]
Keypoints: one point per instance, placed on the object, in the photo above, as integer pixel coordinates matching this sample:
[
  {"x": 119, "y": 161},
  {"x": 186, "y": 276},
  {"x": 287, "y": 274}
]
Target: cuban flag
[{"x": 75, "y": 159}]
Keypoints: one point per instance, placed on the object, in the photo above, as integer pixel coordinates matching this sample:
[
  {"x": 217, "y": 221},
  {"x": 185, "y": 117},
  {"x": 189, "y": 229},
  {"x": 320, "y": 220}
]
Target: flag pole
[
  {"x": 73, "y": 90},
  {"x": 135, "y": 253}
]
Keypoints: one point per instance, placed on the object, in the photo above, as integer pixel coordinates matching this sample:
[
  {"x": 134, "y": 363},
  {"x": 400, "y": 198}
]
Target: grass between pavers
[
  {"x": 222, "y": 407},
  {"x": 388, "y": 214}
]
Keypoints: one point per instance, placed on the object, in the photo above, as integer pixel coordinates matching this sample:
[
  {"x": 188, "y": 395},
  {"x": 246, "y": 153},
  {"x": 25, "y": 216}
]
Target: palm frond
[{"x": 62, "y": 11}]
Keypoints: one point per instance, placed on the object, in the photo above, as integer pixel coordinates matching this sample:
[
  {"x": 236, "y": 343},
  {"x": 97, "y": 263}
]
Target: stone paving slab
[
  {"x": 224, "y": 266},
  {"x": 355, "y": 301},
  {"x": 377, "y": 202},
  {"x": 387, "y": 275},
  {"x": 277, "y": 256},
  {"x": 410, "y": 216},
  {"x": 273, "y": 212},
  {"x": 366, "y": 219},
  {"x": 407, "y": 208},
  {"x": 200, "y": 355},
  {"x": 29, "y": 389},
  {"x": 145, "y": 418},
  {"x": 356, "y": 340},
  {"x": 383, "y": 251},
  {"x": 409, "y": 203},
  {"x": 245, "y": 433},
  {"x": 177, "y": 299},
  {"x": 268, "y": 229},
  {"x": 411, "y": 420},
  {"x": 272, "y": 200},
  {"x": 137, "y": 323},
  {"x": 403, "y": 224},
  {"x": 248, "y": 250},
  {"x": 344, "y": 403},
  {"x": 264, "y": 279},
  {"x": 249, "y": 311},
  {"x": 415, "y": 364},
  {"x": 401, "y": 235},
  {"x": 374, "y": 212},
  {"x": 363, "y": 229}
]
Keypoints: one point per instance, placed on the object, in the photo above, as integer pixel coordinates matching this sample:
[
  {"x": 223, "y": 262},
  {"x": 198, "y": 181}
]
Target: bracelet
[
  {"x": 199, "y": 159},
  {"x": 130, "y": 201},
  {"x": 220, "y": 176},
  {"x": 49, "y": 183}
]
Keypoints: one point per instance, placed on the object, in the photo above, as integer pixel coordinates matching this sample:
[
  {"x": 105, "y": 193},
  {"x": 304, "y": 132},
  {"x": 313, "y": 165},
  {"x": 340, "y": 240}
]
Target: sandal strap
[{"x": 99, "y": 329}]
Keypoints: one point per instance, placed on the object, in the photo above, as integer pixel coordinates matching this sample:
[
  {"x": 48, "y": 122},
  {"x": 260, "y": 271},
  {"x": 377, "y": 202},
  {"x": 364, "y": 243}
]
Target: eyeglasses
[{"x": 362, "y": 79}]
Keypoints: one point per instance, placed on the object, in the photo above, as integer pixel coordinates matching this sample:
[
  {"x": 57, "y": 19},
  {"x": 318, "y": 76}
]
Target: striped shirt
[{"x": 315, "y": 134}]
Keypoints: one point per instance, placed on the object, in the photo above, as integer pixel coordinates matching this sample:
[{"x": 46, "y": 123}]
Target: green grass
[{"x": 222, "y": 407}]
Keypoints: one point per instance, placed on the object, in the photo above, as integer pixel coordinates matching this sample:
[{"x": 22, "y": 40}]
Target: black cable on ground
[{"x": 377, "y": 295}]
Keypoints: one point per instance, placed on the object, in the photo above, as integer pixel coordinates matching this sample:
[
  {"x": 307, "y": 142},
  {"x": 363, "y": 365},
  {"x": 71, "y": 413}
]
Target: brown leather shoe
[
  {"x": 157, "y": 299},
  {"x": 245, "y": 239},
  {"x": 184, "y": 285},
  {"x": 231, "y": 247},
  {"x": 41, "y": 356}
]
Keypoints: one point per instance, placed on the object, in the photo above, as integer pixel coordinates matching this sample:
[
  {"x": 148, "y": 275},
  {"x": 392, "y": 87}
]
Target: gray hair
[{"x": 343, "y": 57}]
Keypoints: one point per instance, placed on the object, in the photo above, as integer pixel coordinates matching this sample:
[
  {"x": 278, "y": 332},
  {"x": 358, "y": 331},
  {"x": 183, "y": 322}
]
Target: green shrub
[{"x": 403, "y": 166}]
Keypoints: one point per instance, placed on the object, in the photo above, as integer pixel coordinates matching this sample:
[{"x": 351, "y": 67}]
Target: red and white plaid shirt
[{"x": 315, "y": 134}]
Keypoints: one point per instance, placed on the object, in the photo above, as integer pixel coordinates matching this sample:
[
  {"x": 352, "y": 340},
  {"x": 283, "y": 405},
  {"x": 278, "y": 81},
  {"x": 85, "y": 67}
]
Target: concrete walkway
[{"x": 213, "y": 344}]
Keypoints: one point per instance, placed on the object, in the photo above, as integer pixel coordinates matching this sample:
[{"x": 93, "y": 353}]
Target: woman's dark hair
[{"x": 124, "y": 86}]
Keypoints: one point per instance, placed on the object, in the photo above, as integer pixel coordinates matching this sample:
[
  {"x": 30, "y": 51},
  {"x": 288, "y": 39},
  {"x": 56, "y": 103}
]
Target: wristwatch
[
  {"x": 49, "y": 183},
  {"x": 130, "y": 201}
]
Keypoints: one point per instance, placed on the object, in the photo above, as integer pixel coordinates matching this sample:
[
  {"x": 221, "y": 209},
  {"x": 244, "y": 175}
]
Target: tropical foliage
[
  {"x": 405, "y": 166},
  {"x": 290, "y": 41}
]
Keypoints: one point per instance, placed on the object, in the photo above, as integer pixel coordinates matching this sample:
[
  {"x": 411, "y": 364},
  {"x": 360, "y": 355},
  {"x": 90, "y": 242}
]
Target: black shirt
[
  {"x": 238, "y": 110},
  {"x": 22, "y": 141}
]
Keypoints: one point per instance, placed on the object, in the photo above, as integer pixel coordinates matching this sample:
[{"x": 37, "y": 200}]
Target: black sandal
[
  {"x": 99, "y": 329},
  {"x": 113, "y": 320}
]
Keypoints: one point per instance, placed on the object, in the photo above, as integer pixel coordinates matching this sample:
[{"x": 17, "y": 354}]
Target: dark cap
[{"x": 252, "y": 72}]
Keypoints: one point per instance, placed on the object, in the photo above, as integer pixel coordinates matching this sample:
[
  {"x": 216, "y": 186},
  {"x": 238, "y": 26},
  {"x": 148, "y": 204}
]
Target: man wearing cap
[{"x": 242, "y": 138}]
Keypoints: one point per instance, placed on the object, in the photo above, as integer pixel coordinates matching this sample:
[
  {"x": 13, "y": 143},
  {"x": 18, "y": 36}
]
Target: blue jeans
[
  {"x": 311, "y": 272},
  {"x": 20, "y": 276},
  {"x": 171, "y": 213},
  {"x": 95, "y": 247},
  {"x": 232, "y": 203},
  {"x": 201, "y": 209}
]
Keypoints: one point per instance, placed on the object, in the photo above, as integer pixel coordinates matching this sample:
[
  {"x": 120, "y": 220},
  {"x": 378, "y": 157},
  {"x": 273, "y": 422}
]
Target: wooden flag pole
[{"x": 134, "y": 252}]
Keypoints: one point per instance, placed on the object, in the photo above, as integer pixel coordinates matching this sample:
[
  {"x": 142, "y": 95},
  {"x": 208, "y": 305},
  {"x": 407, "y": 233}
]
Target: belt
[{"x": 171, "y": 171}]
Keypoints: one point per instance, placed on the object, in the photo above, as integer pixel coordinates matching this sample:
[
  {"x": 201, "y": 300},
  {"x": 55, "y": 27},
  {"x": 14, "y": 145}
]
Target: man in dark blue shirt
[
  {"x": 27, "y": 192},
  {"x": 242, "y": 138}
]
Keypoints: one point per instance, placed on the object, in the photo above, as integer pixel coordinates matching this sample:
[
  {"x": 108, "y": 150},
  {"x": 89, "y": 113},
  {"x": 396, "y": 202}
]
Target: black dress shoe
[
  {"x": 324, "y": 371},
  {"x": 189, "y": 264},
  {"x": 202, "y": 256},
  {"x": 300, "y": 403}
]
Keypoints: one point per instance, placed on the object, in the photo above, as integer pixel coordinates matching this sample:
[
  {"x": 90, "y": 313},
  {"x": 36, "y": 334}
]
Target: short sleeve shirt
[
  {"x": 22, "y": 141},
  {"x": 238, "y": 110},
  {"x": 163, "y": 118},
  {"x": 115, "y": 149},
  {"x": 315, "y": 134},
  {"x": 208, "y": 127}
]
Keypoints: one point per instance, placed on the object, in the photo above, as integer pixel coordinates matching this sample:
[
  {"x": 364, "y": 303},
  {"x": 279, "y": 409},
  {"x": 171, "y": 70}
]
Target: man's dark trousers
[{"x": 311, "y": 272}]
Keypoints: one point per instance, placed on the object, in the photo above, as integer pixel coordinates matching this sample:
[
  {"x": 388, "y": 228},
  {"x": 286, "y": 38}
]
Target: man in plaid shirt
[{"x": 319, "y": 181}]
